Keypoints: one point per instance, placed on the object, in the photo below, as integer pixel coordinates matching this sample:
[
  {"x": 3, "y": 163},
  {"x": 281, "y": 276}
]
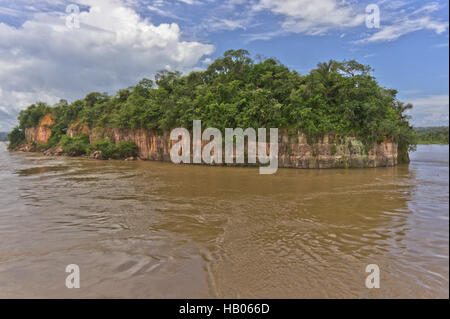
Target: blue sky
[{"x": 120, "y": 41}]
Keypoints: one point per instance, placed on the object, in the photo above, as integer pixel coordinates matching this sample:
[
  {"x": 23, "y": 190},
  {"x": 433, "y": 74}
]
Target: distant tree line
[
  {"x": 432, "y": 135},
  {"x": 340, "y": 98}
]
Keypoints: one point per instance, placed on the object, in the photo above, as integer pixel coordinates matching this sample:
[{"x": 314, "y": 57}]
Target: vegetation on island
[
  {"x": 80, "y": 145},
  {"x": 432, "y": 135},
  {"x": 340, "y": 98}
]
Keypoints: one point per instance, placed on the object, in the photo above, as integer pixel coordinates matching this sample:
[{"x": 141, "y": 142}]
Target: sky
[{"x": 56, "y": 49}]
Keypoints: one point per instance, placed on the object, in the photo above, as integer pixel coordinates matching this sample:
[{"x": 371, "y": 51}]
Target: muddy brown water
[{"x": 159, "y": 230}]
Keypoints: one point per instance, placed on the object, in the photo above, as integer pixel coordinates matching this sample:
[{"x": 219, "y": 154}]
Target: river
[{"x": 158, "y": 230}]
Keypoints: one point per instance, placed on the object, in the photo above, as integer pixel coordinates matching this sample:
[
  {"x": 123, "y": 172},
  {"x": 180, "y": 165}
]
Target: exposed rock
[
  {"x": 97, "y": 155},
  {"x": 54, "y": 151},
  {"x": 41, "y": 133},
  {"x": 28, "y": 147}
]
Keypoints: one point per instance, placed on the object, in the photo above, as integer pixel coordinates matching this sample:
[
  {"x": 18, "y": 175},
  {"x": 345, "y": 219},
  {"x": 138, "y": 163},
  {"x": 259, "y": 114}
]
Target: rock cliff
[
  {"x": 41, "y": 133},
  {"x": 294, "y": 150}
]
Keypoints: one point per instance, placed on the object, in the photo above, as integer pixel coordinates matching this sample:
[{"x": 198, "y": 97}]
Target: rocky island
[{"x": 337, "y": 116}]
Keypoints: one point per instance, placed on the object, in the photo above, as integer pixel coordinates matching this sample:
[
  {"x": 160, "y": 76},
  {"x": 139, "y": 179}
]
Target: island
[{"x": 336, "y": 116}]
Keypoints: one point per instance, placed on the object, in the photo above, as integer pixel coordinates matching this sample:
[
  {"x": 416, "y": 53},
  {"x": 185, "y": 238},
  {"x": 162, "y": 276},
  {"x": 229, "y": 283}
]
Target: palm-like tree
[{"x": 326, "y": 72}]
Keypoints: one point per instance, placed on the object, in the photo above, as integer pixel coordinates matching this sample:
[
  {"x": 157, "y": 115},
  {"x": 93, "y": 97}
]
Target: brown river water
[{"x": 160, "y": 230}]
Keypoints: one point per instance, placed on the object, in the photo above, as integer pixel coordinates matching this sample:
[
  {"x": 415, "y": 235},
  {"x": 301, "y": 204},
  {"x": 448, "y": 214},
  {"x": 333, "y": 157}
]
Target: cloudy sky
[{"x": 44, "y": 57}]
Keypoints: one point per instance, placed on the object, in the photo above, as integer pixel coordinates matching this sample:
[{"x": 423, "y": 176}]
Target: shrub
[
  {"x": 110, "y": 150},
  {"x": 127, "y": 149},
  {"x": 107, "y": 148},
  {"x": 76, "y": 146},
  {"x": 16, "y": 137},
  {"x": 55, "y": 137}
]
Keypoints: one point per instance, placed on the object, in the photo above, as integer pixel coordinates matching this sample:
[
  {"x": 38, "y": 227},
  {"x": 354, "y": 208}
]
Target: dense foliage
[
  {"x": 76, "y": 146},
  {"x": 341, "y": 98},
  {"x": 32, "y": 115},
  {"x": 16, "y": 137},
  {"x": 432, "y": 135},
  {"x": 109, "y": 149}
]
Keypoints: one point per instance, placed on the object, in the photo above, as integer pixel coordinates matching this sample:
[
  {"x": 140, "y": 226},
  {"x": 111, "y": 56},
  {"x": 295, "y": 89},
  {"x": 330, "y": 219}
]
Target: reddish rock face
[
  {"x": 42, "y": 133},
  {"x": 293, "y": 150}
]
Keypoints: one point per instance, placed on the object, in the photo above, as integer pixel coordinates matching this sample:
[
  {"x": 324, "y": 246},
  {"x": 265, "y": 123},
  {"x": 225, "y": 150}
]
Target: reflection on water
[{"x": 151, "y": 229}]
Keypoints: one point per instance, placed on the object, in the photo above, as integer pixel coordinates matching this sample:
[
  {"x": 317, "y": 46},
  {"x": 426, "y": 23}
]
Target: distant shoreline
[
  {"x": 432, "y": 143},
  {"x": 432, "y": 135}
]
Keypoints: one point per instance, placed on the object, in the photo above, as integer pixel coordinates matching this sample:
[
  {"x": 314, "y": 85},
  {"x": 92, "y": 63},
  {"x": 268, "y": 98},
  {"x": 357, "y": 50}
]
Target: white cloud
[
  {"x": 393, "y": 32},
  {"x": 163, "y": 13},
  {"x": 190, "y": 2},
  {"x": 9, "y": 11},
  {"x": 207, "y": 61},
  {"x": 420, "y": 19},
  {"x": 313, "y": 17},
  {"x": 226, "y": 24},
  {"x": 430, "y": 110},
  {"x": 113, "y": 48}
]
